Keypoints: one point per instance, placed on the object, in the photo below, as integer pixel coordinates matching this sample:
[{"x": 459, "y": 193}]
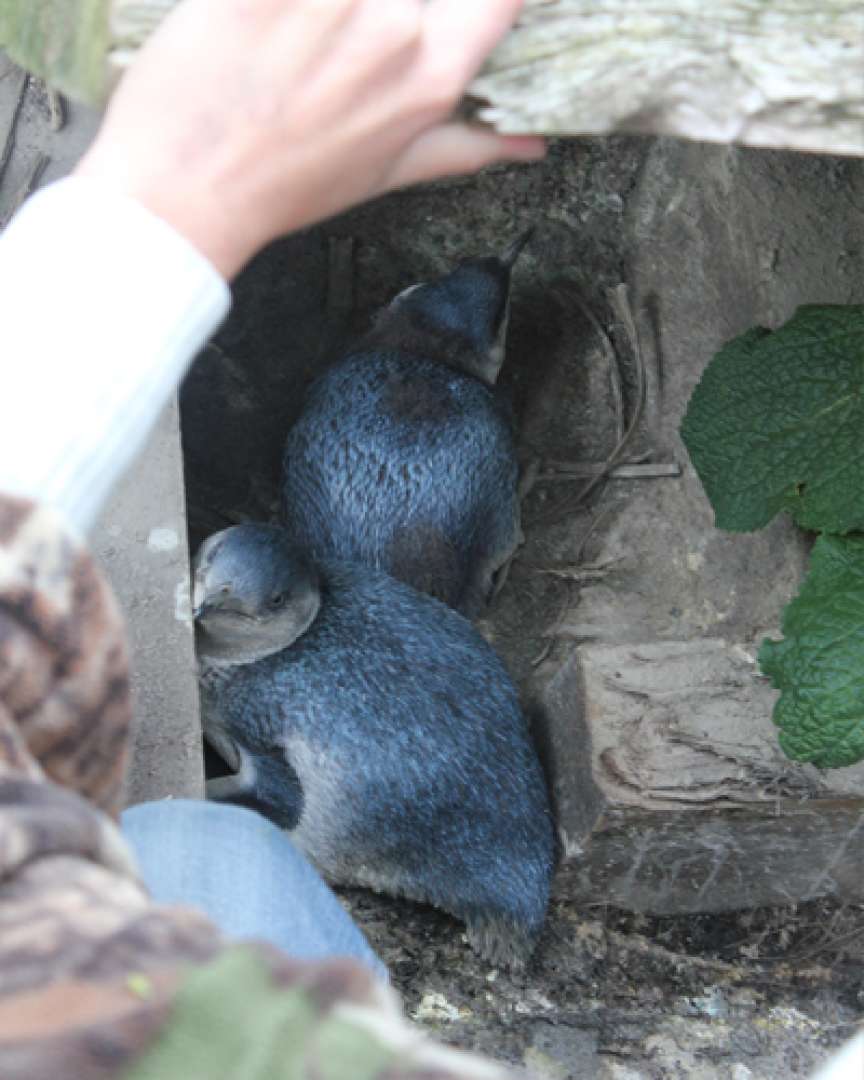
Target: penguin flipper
[{"x": 266, "y": 783}]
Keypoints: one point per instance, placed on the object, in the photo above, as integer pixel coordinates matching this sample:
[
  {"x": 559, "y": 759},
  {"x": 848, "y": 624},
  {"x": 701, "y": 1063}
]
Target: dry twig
[
  {"x": 56, "y": 109},
  {"x": 566, "y": 473},
  {"x": 615, "y": 384},
  {"x": 620, "y": 302}
]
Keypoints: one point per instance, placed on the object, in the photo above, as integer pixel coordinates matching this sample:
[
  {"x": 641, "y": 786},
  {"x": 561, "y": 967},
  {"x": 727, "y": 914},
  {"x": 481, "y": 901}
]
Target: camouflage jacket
[{"x": 95, "y": 980}]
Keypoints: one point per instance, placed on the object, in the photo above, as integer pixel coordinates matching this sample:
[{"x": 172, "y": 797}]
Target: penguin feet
[
  {"x": 502, "y": 942},
  {"x": 266, "y": 783}
]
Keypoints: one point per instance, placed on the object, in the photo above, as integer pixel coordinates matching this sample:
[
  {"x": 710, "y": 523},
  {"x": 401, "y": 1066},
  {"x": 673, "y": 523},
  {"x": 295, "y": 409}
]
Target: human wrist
[
  {"x": 207, "y": 222},
  {"x": 137, "y": 298}
]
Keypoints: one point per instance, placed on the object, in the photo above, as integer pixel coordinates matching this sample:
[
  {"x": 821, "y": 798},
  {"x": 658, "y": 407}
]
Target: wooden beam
[
  {"x": 774, "y": 73},
  {"x": 671, "y": 793}
]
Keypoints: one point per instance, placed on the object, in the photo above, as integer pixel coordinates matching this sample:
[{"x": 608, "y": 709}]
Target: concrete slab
[{"x": 141, "y": 542}]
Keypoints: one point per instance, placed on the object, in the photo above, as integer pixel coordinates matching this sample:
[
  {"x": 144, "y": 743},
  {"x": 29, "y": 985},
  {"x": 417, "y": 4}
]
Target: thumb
[{"x": 454, "y": 148}]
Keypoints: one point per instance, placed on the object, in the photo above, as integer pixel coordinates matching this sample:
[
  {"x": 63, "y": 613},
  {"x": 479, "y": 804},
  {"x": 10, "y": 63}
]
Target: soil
[{"x": 608, "y": 994}]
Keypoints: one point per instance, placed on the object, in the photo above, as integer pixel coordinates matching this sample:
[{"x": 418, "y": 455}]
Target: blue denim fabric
[{"x": 245, "y": 874}]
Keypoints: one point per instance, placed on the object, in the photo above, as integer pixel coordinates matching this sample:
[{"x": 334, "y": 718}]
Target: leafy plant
[
  {"x": 819, "y": 665},
  {"x": 777, "y": 423}
]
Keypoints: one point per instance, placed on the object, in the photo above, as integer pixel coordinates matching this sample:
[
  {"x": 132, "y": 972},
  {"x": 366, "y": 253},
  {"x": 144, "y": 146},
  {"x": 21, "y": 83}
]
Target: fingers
[
  {"x": 465, "y": 31},
  {"x": 460, "y": 148}
]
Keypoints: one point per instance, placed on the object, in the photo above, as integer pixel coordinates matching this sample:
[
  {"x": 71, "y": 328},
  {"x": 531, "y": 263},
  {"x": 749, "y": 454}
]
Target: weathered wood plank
[
  {"x": 754, "y": 72},
  {"x": 697, "y": 861},
  {"x": 683, "y": 801}
]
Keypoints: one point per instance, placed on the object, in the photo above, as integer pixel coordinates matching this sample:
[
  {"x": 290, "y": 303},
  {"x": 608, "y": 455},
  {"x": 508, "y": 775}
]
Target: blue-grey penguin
[
  {"x": 404, "y": 457},
  {"x": 377, "y": 726}
]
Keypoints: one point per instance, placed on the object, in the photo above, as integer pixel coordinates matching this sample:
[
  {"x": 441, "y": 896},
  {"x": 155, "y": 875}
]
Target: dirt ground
[
  {"x": 709, "y": 240},
  {"x": 759, "y": 994}
]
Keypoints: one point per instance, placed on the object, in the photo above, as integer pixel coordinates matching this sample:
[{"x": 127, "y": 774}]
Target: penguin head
[
  {"x": 254, "y": 593},
  {"x": 471, "y": 304}
]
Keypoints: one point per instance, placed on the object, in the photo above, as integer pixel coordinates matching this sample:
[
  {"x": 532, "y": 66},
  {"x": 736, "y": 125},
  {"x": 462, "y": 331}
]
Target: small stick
[
  {"x": 592, "y": 528},
  {"x": 550, "y": 635},
  {"x": 554, "y": 630},
  {"x": 574, "y": 573},
  {"x": 556, "y": 465},
  {"x": 545, "y": 649},
  {"x": 56, "y": 108},
  {"x": 612, "y": 362},
  {"x": 578, "y": 469},
  {"x": 529, "y": 470},
  {"x": 618, "y": 298}
]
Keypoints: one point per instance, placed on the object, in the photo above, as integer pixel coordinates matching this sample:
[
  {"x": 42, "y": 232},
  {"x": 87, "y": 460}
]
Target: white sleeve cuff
[
  {"x": 847, "y": 1063},
  {"x": 103, "y": 307}
]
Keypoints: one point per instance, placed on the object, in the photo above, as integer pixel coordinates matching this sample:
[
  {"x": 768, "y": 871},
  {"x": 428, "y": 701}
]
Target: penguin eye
[{"x": 278, "y": 600}]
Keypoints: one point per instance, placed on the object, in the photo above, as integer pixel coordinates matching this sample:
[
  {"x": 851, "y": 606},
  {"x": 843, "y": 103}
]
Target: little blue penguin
[
  {"x": 404, "y": 457},
  {"x": 378, "y": 726}
]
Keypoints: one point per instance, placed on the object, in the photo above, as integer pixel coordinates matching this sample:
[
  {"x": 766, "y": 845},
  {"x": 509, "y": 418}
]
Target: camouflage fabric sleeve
[{"x": 96, "y": 982}]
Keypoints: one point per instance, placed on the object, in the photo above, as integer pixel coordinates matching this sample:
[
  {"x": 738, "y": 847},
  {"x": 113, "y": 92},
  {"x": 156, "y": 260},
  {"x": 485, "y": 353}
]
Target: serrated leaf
[
  {"x": 819, "y": 664},
  {"x": 777, "y": 423}
]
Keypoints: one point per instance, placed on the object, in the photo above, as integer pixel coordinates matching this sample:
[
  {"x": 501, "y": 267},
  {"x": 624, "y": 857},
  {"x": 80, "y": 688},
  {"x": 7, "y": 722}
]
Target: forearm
[
  {"x": 103, "y": 305},
  {"x": 110, "y": 282}
]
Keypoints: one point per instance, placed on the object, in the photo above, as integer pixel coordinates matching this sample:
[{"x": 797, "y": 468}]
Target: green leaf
[
  {"x": 819, "y": 664},
  {"x": 777, "y": 423},
  {"x": 64, "y": 41},
  {"x": 230, "y": 1021}
]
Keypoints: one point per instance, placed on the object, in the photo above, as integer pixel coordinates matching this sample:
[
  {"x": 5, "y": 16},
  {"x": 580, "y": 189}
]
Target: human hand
[{"x": 244, "y": 119}]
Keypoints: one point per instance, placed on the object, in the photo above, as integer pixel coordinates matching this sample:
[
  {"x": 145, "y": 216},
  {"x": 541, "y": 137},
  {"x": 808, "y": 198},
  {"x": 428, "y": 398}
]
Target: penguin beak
[{"x": 512, "y": 253}]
